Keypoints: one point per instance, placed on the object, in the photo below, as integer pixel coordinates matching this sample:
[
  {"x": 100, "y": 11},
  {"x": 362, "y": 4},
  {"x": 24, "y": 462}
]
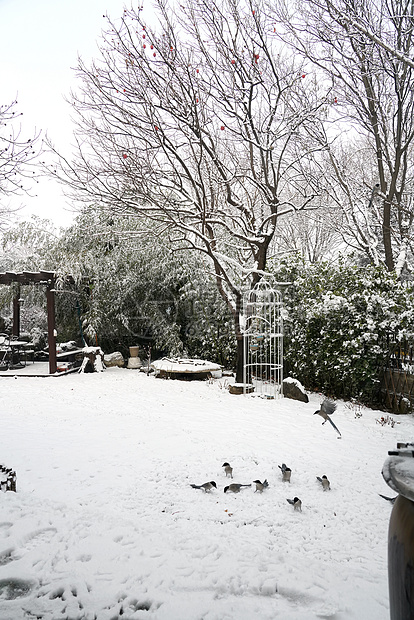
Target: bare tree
[
  {"x": 313, "y": 234},
  {"x": 201, "y": 126},
  {"x": 364, "y": 49},
  {"x": 362, "y": 23},
  {"x": 17, "y": 155}
]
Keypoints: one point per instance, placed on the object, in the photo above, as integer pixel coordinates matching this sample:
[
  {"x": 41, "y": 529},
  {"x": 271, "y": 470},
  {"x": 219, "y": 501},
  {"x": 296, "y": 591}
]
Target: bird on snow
[
  {"x": 326, "y": 410},
  {"x": 235, "y": 488},
  {"x": 286, "y": 472},
  {"x": 260, "y": 485},
  {"x": 389, "y": 499},
  {"x": 228, "y": 469},
  {"x": 207, "y": 486},
  {"x": 296, "y": 503},
  {"x": 326, "y": 485}
]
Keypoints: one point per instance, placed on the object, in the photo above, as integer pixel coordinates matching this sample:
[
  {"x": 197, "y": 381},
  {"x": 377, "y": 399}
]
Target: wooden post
[
  {"x": 51, "y": 326},
  {"x": 16, "y": 313}
]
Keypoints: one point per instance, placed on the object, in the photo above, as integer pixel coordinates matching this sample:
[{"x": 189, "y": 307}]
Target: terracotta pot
[{"x": 133, "y": 351}]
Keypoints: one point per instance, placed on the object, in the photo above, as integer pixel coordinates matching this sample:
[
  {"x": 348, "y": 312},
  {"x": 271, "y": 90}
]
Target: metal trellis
[{"x": 263, "y": 341}]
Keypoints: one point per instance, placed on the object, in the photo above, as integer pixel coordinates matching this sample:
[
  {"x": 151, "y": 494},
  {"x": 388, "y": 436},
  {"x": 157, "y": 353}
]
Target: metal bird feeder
[{"x": 263, "y": 341}]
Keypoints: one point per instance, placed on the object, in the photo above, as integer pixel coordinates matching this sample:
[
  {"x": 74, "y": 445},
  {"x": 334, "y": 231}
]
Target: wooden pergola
[{"x": 47, "y": 279}]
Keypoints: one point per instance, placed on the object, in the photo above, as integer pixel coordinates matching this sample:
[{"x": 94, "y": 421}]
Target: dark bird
[
  {"x": 207, "y": 486},
  {"x": 228, "y": 469},
  {"x": 389, "y": 499},
  {"x": 286, "y": 472},
  {"x": 296, "y": 503},
  {"x": 326, "y": 485},
  {"x": 376, "y": 190},
  {"x": 326, "y": 410},
  {"x": 261, "y": 485},
  {"x": 235, "y": 488}
]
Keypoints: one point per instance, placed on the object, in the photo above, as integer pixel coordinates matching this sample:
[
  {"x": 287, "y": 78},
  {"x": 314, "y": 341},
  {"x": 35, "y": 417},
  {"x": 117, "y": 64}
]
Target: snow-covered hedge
[{"x": 340, "y": 323}]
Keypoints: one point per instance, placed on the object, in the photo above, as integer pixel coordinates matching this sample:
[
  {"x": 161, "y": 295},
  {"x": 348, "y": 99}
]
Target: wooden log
[{"x": 241, "y": 388}]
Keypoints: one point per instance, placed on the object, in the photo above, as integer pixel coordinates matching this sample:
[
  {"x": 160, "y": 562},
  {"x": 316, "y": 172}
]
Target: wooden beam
[
  {"x": 36, "y": 277},
  {"x": 16, "y": 313},
  {"x": 6, "y": 278},
  {"x": 45, "y": 276}
]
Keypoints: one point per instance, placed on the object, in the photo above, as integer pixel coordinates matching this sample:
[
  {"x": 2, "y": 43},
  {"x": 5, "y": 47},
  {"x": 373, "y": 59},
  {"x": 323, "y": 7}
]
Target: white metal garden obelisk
[{"x": 263, "y": 341}]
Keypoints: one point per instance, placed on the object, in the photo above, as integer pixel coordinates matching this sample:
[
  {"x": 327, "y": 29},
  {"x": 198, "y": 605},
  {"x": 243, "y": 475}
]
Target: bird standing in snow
[
  {"x": 286, "y": 472},
  {"x": 326, "y": 410},
  {"x": 260, "y": 485},
  {"x": 228, "y": 469},
  {"x": 326, "y": 485},
  {"x": 296, "y": 503},
  {"x": 207, "y": 486},
  {"x": 235, "y": 488}
]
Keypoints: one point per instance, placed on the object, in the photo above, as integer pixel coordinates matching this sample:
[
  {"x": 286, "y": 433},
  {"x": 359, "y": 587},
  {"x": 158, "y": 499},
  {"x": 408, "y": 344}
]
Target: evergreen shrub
[{"x": 340, "y": 323}]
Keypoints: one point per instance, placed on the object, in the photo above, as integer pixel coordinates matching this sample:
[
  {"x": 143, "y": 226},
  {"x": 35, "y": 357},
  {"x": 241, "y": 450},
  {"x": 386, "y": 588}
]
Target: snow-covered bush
[
  {"x": 140, "y": 291},
  {"x": 340, "y": 323},
  {"x": 209, "y": 328}
]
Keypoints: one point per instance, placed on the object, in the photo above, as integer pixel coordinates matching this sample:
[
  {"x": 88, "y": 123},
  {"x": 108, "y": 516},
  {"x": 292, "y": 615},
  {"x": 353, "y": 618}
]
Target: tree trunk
[
  {"x": 386, "y": 236},
  {"x": 237, "y": 311},
  {"x": 239, "y": 356}
]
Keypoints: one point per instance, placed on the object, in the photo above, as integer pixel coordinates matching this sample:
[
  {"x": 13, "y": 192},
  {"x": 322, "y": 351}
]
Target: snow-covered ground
[{"x": 105, "y": 524}]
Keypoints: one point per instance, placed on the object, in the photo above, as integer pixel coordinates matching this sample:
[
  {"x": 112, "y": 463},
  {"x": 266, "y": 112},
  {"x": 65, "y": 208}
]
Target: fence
[{"x": 397, "y": 380}]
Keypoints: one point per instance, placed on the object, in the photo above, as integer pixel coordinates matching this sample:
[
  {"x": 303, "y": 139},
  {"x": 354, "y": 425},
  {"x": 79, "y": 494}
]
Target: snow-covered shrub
[
  {"x": 140, "y": 290},
  {"x": 339, "y": 323},
  {"x": 208, "y": 328}
]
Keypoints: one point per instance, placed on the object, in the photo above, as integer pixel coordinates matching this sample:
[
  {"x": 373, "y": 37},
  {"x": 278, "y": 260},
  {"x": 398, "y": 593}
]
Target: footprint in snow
[
  {"x": 6, "y": 556},
  {"x": 12, "y": 589},
  {"x": 37, "y": 537}
]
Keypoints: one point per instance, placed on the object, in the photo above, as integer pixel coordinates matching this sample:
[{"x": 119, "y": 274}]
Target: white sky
[{"x": 39, "y": 44}]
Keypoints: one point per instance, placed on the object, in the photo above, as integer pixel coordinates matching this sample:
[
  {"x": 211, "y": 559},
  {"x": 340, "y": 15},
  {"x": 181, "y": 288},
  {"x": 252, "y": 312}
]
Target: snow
[
  {"x": 105, "y": 524},
  {"x": 177, "y": 365}
]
